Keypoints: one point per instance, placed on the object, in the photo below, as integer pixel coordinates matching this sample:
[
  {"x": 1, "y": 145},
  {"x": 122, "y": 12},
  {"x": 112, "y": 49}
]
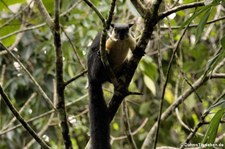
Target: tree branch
[
  {"x": 20, "y": 111},
  {"x": 90, "y": 4},
  {"x": 45, "y": 14},
  {"x": 127, "y": 127},
  {"x": 165, "y": 85},
  {"x": 42, "y": 131},
  {"x": 74, "y": 48},
  {"x": 178, "y": 8},
  {"x": 139, "y": 7},
  {"x": 47, "y": 99},
  {"x": 75, "y": 77},
  {"x": 42, "y": 115},
  {"x": 22, "y": 121},
  {"x": 172, "y": 107},
  {"x": 59, "y": 79},
  {"x": 201, "y": 122},
  {"x": 132, "y": 133}
]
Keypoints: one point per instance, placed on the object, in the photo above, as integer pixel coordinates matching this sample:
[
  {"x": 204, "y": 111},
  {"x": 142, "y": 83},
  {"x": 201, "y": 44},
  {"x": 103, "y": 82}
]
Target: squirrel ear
[{"x": 130, "y": 25}]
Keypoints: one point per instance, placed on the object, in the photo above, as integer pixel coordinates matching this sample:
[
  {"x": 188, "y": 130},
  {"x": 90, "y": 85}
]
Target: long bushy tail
[{"x": 99, "y": 119}]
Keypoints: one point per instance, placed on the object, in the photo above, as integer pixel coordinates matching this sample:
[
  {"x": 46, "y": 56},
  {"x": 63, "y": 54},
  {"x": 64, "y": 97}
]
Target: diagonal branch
[
  {"x": 178, "y": 8},
  {"x": 48, "y": 100},
  {"x": 45, "y": 14},
  {"x": 22, "y": 121},
  {"x": 172, "y": 107},
  {"x": 75, "y": 77},
  {"x": 127, "y": 127},
  {"x": 42, "y": 115},
  {"x": 165, "y": 85},
  {"x": 90, "y": 4},
  {"x": 140, "y": 8}
]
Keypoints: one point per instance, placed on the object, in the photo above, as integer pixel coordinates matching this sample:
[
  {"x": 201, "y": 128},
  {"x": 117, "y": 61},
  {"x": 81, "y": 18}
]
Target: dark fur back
[{"x": 99, "y": 119}]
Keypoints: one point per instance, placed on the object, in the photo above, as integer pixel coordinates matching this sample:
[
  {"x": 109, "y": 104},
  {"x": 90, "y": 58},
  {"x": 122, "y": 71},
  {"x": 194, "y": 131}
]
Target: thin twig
[
  {"x": 127, "y": 127},
  {"x": 49, "y": 21},
  {"x": 23, "y": 30},
  {"x": 140, "y": 7},
  {"x": 186, "y": 80},
  {"x": 183, "y": 124},
  {"x": 70, "y": 9},
  {"x": 29, "y": 144},
  {"x": 75, "y": 78},
  {"x": 2, "y": 74},
  {"x": 74, "y": 48},
  {"x": 90, "y": 4},
  {"x": 42, "y": 115},
  {"x": 20, "y": 111},
  {"x": 36, "y": 26},
  {"x": 165, "y": 84},
  {"x": 219, "y": 66},
  {"x": 201, "y": 121},
  {"x": 15, "y": 15},
  {"x": 132, "y": 133},
  {"x": 22, "y": 121},
  {"x": 195, "y": 25},
  {"x": 157, "y": 126},
  {"x": 178, "y": 8},
  {"x": 2, "y": 47},
  {"x": 219, "y": 138}
]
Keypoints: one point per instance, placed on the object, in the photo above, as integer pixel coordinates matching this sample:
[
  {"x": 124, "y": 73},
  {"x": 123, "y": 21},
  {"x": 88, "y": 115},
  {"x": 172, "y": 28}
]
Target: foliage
[{"x": 200, "y": 52}]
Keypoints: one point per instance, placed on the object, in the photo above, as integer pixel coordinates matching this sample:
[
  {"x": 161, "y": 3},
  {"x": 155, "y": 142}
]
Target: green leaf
[
  {"x": 212, "y": 130},
  {"x": 212, "y": 62},
  {"x": 188, "y": 21},
  {"x": 202, "y": 23},
  {"x": 8, "y": 3},
  {"x": 222, "y": 41},
  {"x": 116, "y": 126},
  {"x": 150, "y": 84},
  {"x": 149, "y": 68},
  {"x": 220, "y": 54},
  {"x": 11, "y": 27},
  {"x": 144, "y": 108}
]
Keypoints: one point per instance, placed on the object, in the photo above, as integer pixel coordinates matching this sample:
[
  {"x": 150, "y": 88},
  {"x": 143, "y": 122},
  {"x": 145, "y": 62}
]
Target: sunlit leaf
[
  {"x": 115, "y": 126},
  {"x": 211, "y": 133},
  {"x": 211, "y": 64},
  {"x": 148, "y": 67},
  {"x": 169, "y": 97},
  {"x": 150, "y": 84},
  {"x": 188, "y": 21},
  {"x": 7, "y": 3},
  {"x": 202, "y": 23}
]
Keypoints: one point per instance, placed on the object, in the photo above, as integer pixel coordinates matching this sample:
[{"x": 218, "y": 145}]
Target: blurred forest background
[{"x": 196, "y": 79}]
